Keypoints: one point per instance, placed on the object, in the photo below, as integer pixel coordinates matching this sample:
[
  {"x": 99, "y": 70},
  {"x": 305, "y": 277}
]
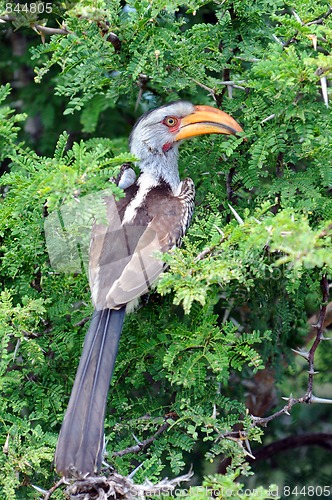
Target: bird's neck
[{"x": 160, "y": 167}]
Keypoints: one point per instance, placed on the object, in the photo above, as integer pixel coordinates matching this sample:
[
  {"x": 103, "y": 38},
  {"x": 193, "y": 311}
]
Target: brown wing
[{"x": 122, "y": 258}]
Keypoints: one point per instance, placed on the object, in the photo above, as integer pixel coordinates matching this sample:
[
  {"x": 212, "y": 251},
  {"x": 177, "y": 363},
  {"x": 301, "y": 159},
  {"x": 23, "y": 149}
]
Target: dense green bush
[{"x": 237, "y": 295}]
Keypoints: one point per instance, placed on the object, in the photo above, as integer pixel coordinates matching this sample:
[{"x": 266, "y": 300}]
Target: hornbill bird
[{"x": 153, "y": 216}]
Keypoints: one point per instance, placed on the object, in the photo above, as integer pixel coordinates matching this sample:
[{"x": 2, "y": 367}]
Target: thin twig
[
  {"x": 204, "y": 253},
  {"x": 83, "y": 321},
  {"x": 209, "y": 250},
  {"x": 291, "y": 40},
  {"x": 50, "y": 31},
  {"x": 212, "y": 92},
  {"x": 326, "y": 232},
  {"x": 55, "y": 487},
  {"x": 231, "y": 84},
  {"x": 142, "y": 445},
  {"x": 263, "y": 421}
]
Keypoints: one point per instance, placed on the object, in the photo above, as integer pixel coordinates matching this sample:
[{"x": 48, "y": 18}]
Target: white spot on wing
[
  {"x": 178, "y": 190},
  {"x": 127, "y": 178}
]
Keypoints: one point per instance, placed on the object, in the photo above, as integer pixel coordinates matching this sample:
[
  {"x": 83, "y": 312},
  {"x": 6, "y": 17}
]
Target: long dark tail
[{"x": 80, "y": 444}]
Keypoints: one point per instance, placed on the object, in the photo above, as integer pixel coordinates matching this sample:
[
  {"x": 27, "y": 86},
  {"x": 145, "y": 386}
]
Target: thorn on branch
[
  {"x": 132, "y": 474},
  {"x": 268, "y": 118},
  {"x": 236, "y": 215},
  {"x": 277, "y": 40},
  {"x": 297, "y": 17},
  {"x": 5, "y": 447},
  {"x": 55, "y": 487},
  {"x": 304, "y": 354},
  {"x": 323, "y": 84},
  {"x": 320, "y": 400},
  {"x": 311, "y": 372}
]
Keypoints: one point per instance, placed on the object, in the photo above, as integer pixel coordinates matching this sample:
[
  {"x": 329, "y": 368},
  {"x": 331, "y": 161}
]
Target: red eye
[{"x": 170, "y": 121}]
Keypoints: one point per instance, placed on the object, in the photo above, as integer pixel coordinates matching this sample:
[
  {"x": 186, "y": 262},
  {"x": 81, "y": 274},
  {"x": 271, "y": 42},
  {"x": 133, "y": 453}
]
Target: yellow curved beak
[{"x": 207, "y": 120}]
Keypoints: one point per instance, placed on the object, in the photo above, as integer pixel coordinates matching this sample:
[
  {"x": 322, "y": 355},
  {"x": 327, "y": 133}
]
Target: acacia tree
[{"x": 203, "y": 365}]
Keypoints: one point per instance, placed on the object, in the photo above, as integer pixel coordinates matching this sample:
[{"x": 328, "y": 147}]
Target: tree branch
[
  {"x": 285, "y": 410},
  {"x": 207, "y": 251},
  {"x": 83, "y": 321},
  {"x": 322, "y": 439}
]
